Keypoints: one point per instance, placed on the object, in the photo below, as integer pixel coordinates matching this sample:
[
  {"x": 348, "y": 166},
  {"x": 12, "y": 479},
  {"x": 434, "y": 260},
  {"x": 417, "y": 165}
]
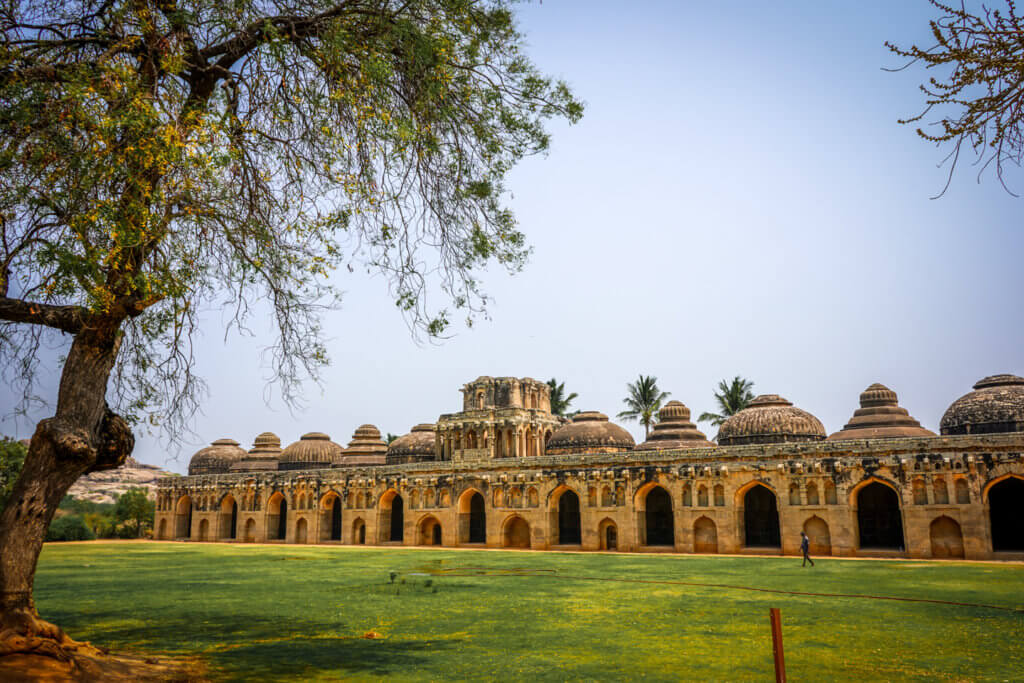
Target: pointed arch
[
  {"x": 564, "y": 510},
  {"x": 428, "y": 531},
  {"x": 277, "y": 517},
  {"x": 183, "y": 517},
  {"x": 228, "y": 518},
  {"x": 358, "y": 531},
  {"x": 330, "y": 508},
  {"x": 204, "y": 530},
  {"x": 655, "y": 515},
  {"x": 818, "y": 535},
  {"x": 391, "y": 517},
  {"x": 879, "y": 514},
  {"x": 608, "y": 534},
  {"x": 705, "y": 535},
  {"x": 760, "y": 515},
  {"x": 1005, "y": 500},
  {"x": 946, "y": 537},
  {"x": 515, "y": 533},
  {"x": 472, "y": 517}
]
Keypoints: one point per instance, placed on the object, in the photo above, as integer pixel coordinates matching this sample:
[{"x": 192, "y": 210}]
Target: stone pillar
[{"x": 515, "y": 444}]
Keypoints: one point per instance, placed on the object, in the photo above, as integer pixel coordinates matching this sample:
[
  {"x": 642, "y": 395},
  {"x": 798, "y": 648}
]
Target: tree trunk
[{"x": 83, "y": 436}]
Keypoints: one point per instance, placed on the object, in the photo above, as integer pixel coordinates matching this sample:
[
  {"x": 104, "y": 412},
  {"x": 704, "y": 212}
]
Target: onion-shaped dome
[
  {"x": 365, "y": 448},
  {"x": 216, "y": 458},
  {"x": 589, "y": 432},
  {"x": 770, "y": 419},
  {"x": 996, "y": 405},
  {"x": 674, "y": 430},
  {"x": 416, "y": 446},
  {"x": 312, "y": 451},
  {"x": 880, "y": 417},
  {"x": 262, "y": 457}
]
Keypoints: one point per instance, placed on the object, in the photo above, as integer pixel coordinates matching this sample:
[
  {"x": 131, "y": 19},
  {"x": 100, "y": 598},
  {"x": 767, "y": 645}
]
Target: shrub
[{"x": 69, "y": 528}]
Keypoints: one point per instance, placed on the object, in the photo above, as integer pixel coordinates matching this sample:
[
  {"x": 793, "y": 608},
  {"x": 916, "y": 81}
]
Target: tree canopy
[
  {"x": 977, "y": 98},
  {"x": 643, "y": 401},
  {"x": 162, "y": 156},
  {"x": 559, "y": 399},
  {"x": 732, "y": 397}
]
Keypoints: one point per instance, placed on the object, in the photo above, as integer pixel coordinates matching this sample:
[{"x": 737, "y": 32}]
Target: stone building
[{"x": 505, "y": 472}]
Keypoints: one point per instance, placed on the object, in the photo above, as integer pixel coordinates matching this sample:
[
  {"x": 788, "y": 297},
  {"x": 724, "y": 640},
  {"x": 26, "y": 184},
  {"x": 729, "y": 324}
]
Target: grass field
[{"x": 301, "y": 613}]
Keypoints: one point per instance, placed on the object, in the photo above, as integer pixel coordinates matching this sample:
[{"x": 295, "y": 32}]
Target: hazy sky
[{"x": 738, "y": 199}]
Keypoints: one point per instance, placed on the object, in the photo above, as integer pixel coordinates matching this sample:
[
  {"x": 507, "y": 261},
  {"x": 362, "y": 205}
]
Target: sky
[{"x": 738, "y": 199}]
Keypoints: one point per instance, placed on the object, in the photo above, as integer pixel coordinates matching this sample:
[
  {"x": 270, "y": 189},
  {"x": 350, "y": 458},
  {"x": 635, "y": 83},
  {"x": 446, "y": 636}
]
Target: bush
[{"x": 69, "y": 528}]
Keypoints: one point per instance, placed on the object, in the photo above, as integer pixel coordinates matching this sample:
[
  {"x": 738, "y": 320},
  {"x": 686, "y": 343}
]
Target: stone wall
[{"x": 920, "y": 497}]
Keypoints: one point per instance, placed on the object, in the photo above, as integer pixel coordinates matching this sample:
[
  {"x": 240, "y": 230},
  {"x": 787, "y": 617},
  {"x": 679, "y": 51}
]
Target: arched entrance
[
  {"x": 330, "y": 517},
  {"x": 301, "y": 530},
  {"x": 516, "y": 533},
  {"x": 228, "y": 518},
  {"x": 760, "y": 518},
  {"x": 430, "y": 531},
  {"x": 818, "y": 536},
  {"x": 947, "y": 539},
  {"x": 183, "y": 518},
  {"x": 472, "y": 517},
  {"x": 705, "y": 536},
  {"x": 250, "y": 531},
  {"x": 277, "y": 517},
  {"x": 658, "y": 520},
  {"x": 1006, "y": 514},
  {"x": 569, "y": 528},
  {"x": 359, "y": 532},
  {"x": 204, "y": 529},
  {"x": 608, "y": 533},
  {"x": 162, "y": 534},
  {"x": 879, "y": 522}
]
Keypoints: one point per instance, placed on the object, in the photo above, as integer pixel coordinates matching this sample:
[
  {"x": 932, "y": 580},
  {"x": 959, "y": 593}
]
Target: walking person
[{"x": 805, "y": 548}]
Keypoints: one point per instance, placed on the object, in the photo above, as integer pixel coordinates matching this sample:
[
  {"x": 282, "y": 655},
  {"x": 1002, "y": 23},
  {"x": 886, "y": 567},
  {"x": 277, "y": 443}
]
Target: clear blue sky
[{"x": 738, "y": 199}]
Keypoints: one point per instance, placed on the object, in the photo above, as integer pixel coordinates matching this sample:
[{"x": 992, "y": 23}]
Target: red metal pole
[{"x": 780, "y": 658}]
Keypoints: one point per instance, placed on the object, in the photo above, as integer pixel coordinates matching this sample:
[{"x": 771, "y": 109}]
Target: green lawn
[{"x": 300, "y": 613}]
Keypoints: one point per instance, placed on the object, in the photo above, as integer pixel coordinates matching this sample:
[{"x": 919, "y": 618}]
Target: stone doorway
[
  {"x": 569, "y": 531},
  {"x": 658, "y": 518},
  {"x": 1006, "y": 514},
  {"x": 761, "y": 518},
  {"x": 879, "y": 521}
]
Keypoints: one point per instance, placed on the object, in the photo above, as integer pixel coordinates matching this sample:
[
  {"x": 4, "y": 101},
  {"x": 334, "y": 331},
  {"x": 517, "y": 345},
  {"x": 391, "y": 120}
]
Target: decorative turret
[
  {"x": 216, "y": 458},
  {"x": 996, "y": 405},
  {"x": 880, "y": 417},
  {"x": 263, "y": 456},
  {"x": 589, "y": 432},
  {"x": 419, "y": 445},
  {"x": 312, "y": 451},
  {"x": 674, "y": 430},
  {"x": 365, "y": 448},
  {"x": 770, "y": 419}
]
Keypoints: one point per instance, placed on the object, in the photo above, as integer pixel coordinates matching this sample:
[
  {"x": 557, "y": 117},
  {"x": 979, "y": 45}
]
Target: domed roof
[
  {"x": 770, "y": 419},
  {"x": 416, "y": 446},
  {"x": 365, "y": 448},
  {"x": 216, "y": 458},
  {"x": 589, "y": 432},
  {"x": 311, "y": 452},
  {"x": 996, "y": 405},
  {"x": 263, "y": 455},
  {"x": 674, "y": 430},
  {"x": 880, "y": 417}
]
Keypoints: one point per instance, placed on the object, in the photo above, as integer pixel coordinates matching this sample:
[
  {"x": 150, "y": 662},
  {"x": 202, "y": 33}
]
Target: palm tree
[
  {"x": 643, "y": 402},
  {"x": 559, "y": 401},
  {"x": 732, "y": 397}
]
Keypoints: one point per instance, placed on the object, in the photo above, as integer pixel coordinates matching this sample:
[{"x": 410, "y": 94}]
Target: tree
[
  {"x": 732, "y": 397},
  {"x": 979, "y": 97},
  {"x": 559, "y": 400},
  {"x": 390, "y": 437},
  {"x": 158, "y": 156},
  {"x": 69, "y": 528},
  {"x": 643, "y": 402},
  {"x": 12, "y": 458},
  {"x": 136, "y": 506}
]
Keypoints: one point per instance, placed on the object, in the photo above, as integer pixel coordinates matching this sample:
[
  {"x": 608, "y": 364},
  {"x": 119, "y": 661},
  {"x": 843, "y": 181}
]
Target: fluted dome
[
  {"x": 674, "y": 430},
  {"x": 262, "y": 457},
  {"x": 216, "y": 458},
  {"x": 880, "y": 417},
  {"x": 312, "y": 451},
  {"x": 770, "y": 419},
  {"x": 365, "y": 448},
  {"x": 416, "y": 446},
  {"x": 996, "y": 405},
  {"x": 589, "y": 432}
]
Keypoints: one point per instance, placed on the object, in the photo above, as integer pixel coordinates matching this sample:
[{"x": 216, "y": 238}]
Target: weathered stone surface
[
  {"x": 365, "y": 448},
  {"x": 880, "y": 417},
  {"x": 770, "y": 419},
  {"x": 590, "y": 432},
  {"x": 104, "y": 487},
  {"x": 419, "y": 445},
  {"x": 262, "y": 457},
  {"x": 312, "y": 451},
  {"x": 996, "y": 405},
  {"x": 216, "y": 458},
  {"x": 674, "y": 430}
]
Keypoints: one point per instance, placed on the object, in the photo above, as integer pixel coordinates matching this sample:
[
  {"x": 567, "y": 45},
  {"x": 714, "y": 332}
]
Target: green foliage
[
  {"x": 69, "y": 528},
  {"x": 12, "y": 457},
  {"x": 977, "y": 95},
  {"x": 390, "y": 437},
  {"x": 256, "y": 616},
  {"x": 160, "y": 157},
  {"x": 559, "y": 400},
  {"x": 643, "y": 402},
  {"x": 732, "y": 397},
  {"x": 133, "y": 505}
]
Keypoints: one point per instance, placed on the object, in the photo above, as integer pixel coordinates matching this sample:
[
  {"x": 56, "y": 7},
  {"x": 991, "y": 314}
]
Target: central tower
[{"x": 501, "y": 417}]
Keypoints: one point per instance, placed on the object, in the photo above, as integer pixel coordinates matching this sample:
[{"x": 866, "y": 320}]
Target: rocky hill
[{"x": 101, "y": 487}]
